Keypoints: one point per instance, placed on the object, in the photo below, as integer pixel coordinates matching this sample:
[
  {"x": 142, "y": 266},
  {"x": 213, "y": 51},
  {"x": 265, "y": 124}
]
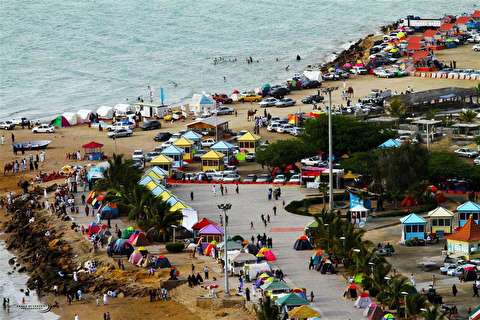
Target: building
[
  {"x": 224, "y": 147},
  {"x": 248, "y": 142},
  {"x": 466, "y": 210},
  {"x": 176, "y": 154},
  {"x": 201, "y": 104},
  {"x": 465, "y": 131},
  {"x": 160, "y": 191},
  {"x": 193, "y": 136},
  {"x": 441, "y": 221},
  {"x": 212, "y": 160},
  {"x": 187, "y": 146},
  {"x": 213, "y": 126},
  {"x": 466, "y": 241},
  {"x": 163, "y": 162},
  {"x": 413, "y": 226}
]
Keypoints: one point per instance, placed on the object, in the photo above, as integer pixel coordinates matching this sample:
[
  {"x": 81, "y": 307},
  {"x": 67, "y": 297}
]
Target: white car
[
  {"x": 466, "y": 152},
  {"x": 296, "y": 131},
  {"x": 208, "y": 142},
  {"x": 458, "y": 271},
  {"x": 284, "y": 128},
  {"x": 280, "y": 178},
  {"x": 285, "y": 102},
  {"x": 138, "y": 155},
  {"x": 232, "y": 177},
  {"x": 477, "y": 161},
  {"x": 268, "y": 102},
  {"x": 7, "y": 125},
  {"x": 273, "y": 127},
  {"x": 312, "y": 161},
  {"x": 359, "y": 70},
  {"x": 295, "y": 179},
  {"x": 166, "y": 144},
  {"x": 43, "y": 128},
  {"x": 222, "y": 110},
  {"x": 448, "y": 267},
  {"x": 119, "y": 125},
  {"x": 476, "y": 48},
  {"x": 474, "y": 38},
  {"x": 120, "y": 133}
]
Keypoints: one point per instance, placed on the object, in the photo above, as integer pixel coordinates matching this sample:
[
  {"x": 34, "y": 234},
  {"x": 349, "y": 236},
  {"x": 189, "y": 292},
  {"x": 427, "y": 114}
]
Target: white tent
[
  {"x": 83, "y": 115},
  {"x": 122, "y": 108},
  {"x": 70, "y": 117},
  {"x": 253, "y": 269},
  {"x": 314, "y": 75},
  {"x": 201, "y": 104},
  {"x": 190, "y": 217},
  {"x": 105, "y": 112}
]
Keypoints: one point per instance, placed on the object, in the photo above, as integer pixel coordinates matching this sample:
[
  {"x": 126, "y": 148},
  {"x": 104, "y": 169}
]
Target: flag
[{"x": 162, "y": 96}]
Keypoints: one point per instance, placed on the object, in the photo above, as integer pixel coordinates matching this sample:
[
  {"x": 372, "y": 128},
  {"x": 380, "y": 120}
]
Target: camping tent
[
  {"x": 71, "y": 117},
  {"x": 363, "y": 301},
  {"x": 83, "y": 115},
  {"x": 291, "y": 300},
  {"x": 127, "y": 232},
  {"x": 110, "y": 210},
  {"x": 135, "y": 257},
  {"x": 138, "y": 238},
  {"x": 251, "y": 270},
  {"x": 105, "y": 112},
  {"x": 275, "y": 286},
  {"x": 120, "y": 247},
  {"x": 373, "y": 312},
  {"x": 60, "y": 122},
  {"x": 475, "y": 315},
  {"x": 303, "y": 312},
  {"x": 302, "y": 243},
  {"x": 162, "y": 262}
]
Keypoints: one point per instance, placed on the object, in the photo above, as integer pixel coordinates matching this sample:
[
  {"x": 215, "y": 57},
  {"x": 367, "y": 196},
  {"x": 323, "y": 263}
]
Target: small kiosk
[
  {"x": 413, "y": 226},
  {"x": 187, "y": 146},
  {"x": 176, "y": 154},
  {"x": 441, "y": 221},
  {"x": 193, "y": 136},
  {"x": 466, "y": 241},
  {"x": 213, "y": 160},
  {"x": 466, "y": 210},
  {"x": 224, "y": 147},
  {"x": 248, "y": 142},
  {"x": 93, "y": 151},
  {"x": 163, "y": 162},
  {"x": 358, "y": 215},
  {"x": 211, "y": 232}
]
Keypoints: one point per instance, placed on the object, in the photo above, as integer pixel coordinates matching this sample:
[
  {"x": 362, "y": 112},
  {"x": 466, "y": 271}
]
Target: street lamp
[
  {"x": 225, "y": 207},
  {"x": 405, "y": 294},
  {"x": 329, "y": 91},
  {"x": 174, "y": 228}
]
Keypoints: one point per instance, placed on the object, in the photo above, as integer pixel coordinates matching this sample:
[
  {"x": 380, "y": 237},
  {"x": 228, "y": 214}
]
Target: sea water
[
  {"x": 63, "y": 55},
  {"x": 10, "y": 285}
]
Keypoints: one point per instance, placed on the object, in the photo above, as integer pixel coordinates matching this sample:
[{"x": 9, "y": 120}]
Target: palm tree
[
  {"x": 477, "y": 91},
  {"x": 467, "y": 116},
  {"x": 267, "y": 310},
  {"x": 415, "y": 303},
  {"x": 392, "y": 294},
  {"x": 120, "y": 172},
  {"x": 159, "y": 217},
  {"x": 323, "y": 188},
  {"x": 135, "y": 200},
  {"x": 396, "y": 109},
  {"x": 433, "y": 313}
]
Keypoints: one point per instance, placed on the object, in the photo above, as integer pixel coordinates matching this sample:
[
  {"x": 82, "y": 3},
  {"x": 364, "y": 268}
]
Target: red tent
[
  {"x": 446, "y": 27},
  {"x": 202, "y": 223},
  {"x": 420, "y": 55},
  {"x": 92, "y": 145},
  {"x": 476, "y": 14},
  {"x": 407, "y": 202},
  {"x": 430, "y": 33}
]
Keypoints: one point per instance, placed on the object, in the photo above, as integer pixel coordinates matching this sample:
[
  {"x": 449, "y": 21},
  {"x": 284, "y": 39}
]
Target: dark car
[
  {"x": 310, "y": 84},
  {"x": 150, "y": 125},
  {"x": 279, "y": 92},
  {"x": 222, "y": 98},
  {"x": 162, "y": 136},
  {"x": 312, "y": 99},
  {"x": 250, "y": 178}
]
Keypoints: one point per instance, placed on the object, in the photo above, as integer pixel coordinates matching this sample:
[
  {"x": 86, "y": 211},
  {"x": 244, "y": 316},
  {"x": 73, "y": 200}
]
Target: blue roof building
[
  {"x": 176, "y": 154},
  {"x": 413, "y": 226},
  {"x": 223, "y": 147},
  {"x": 192, "y": 136},
  {"x": 467, "y": 209}
]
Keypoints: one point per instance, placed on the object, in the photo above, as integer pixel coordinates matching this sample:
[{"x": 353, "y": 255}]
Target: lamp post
[
  {"x": 405, "y": 294},
  {"x": 329, "y": 91},
  {"x": 174, "y": 227},
  {"x": 225, "y": 207}
]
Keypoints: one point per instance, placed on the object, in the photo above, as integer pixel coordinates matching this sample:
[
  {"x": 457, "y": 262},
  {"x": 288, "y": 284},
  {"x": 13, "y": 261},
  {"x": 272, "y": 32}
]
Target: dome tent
[
  {"x": 135, "y": 257},
  {"x": 138, "y": 238},
  {"x": 127, "y": 232},
  {"x": 302, "y": 243},
  {"x": 162, "y": 262},
  {"x": 83, "y": 115},
  {"x": 105, "y": 112},
  {"x": 60, "y": 122},
  {"x": 71, "y": 117},
  {"x": 120, "y": 247},
  {"x": 110, "y": 211}
]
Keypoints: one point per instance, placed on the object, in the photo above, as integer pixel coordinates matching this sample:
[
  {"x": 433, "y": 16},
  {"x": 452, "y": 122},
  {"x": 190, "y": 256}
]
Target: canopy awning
[{"x": 92, "y": 145}]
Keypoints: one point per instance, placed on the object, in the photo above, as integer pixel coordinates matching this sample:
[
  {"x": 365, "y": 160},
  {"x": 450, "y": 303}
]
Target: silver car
[
  {"x": 285, "y": 102},
  {"x": 120, "y": 133}
]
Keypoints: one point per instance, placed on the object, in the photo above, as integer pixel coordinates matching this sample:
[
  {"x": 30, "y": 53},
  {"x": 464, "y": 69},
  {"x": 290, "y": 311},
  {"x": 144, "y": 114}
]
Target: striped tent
[{"x": 475, "y": 315}]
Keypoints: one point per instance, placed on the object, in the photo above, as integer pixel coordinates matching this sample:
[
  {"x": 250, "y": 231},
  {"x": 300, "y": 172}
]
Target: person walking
[
  {"x": 236, "y": 188},
  {"x": 205, "y": 271},
  {"x": 247, "y": 294},
  {"x": 13, "y": 138},
  {"x": 311, "y": 296},
  {"x": 454, "y": 290},
  {"x": 2, "y": 139},
  {"x": 191, "y": 195},
  {"x": 274, "y": 210},
  {"x": 310, "y": 264},
  {"x": 475, "y": 290},
  {"x": 412, "y": 279}
]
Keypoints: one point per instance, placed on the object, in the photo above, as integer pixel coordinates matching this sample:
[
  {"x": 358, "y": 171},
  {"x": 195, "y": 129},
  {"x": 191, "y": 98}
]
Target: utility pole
[
  {"x": 225, "y": 207},
  {"x": 329, "y": 91}
]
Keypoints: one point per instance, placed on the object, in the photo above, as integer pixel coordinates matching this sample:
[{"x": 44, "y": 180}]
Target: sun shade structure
[
  {"x": 159, "y": 190},
  {"x": 275, "y": 286},
  {"x": 390, "y": 143},
  {"x": 186, "y": 145},
  {"x": 212, "y": 160},
  {"x": 248, "y": 142},
  {"x": 427, "y": 96},
  {"x": 291, "y": 300},
  {"x": 465, "y": 241},
  {"x": 303, "y": 312},
  {"x": 475, "y": 315},
  {"x": 176, "y": 154},
  {"x": 211, "y": 232}
]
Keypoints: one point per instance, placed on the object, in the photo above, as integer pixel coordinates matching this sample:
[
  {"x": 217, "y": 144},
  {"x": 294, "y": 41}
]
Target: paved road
[{"x": 284, "y": 228}]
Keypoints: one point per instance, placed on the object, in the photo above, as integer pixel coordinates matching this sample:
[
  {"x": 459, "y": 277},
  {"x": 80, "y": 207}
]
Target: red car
[{"x": 222, "y": 98}]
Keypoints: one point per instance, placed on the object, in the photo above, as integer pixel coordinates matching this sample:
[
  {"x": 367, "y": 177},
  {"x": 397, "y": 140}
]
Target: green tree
[
  {"x": 349, "y": 134},
  {"x": 362, "y": 162},
  {"x": 415, "y": 303},
  {"x": 392, "y": 295},
  {"x": 134, "y": 200},
  {"x": 444, "y": 165},
  {"x": 433, "y": 313},
  {"x": 159, "y": 218},
  {"x": 282, "y": 153},
  {"x": 120, "y": 173},
  {"x": 267, "y": 310},
  {"x": 396, "y": 108},
  {"x": 467, "y": 116},
  {"x": 477, "y": 91}
]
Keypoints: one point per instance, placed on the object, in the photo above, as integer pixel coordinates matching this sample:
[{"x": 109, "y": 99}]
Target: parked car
[
  {"x": 297, "y": 131},
  {"x": 120, "y": 133},
  {"x": 476, "y": 48},
  {"x": 466, "y": 152},
  {"x": 294, "y": 178},
  {"x": 138, "y": 155},
  {"x": 273, "y": 126},
  {"x": 149, "y": 156},
  {"x": 118, "y": 125},
  {"x": 312, "y": 161},
  {"x": 7, "y": 125},
  {"x": 382, "y": 73},
  {"x": 474, "y": 38},
  {"x": 208, "y": 142},
  {"x": 23, "y": 122},
  {"x": 268, "y": 102},
  {"x": 223, "y": 110},
  {"x": 250, "y": 98},
  {"x": 279, "y": 179},
  {"x": 250, "y": 178},
  {"x": 250, "y": 157},
  {"x": 285, "y": 102},
  {"x": 315, "y": 98},
  {"x": 264, "y": 178},
  {"x": 284, "y": 128},
  {"x": 222, "y": 98},
  {"x": 477, "y": 161},
  {"x": 139, "y": 164},
  {"x": 43, "y": 128},
  {"x": 150, "y": 125},
  {"x": 278, "y": 92},
  {"x": 162, "y": 136},
  {"x": 448, "y": 267},
  {"x": 359, "y": 70},
  {"x": 232, "y": 177},
  {"x": 310, "y": 84},
  {"x": 458, "y": 271}
]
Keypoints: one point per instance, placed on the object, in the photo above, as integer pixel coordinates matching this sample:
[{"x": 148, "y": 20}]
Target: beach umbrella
[
  {"x": 130, "y": 228},
  {"x": 269, "y": 256},
  {"x": 297, "y": 290}
]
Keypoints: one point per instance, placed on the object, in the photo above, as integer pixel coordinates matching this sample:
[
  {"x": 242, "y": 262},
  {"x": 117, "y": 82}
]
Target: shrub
[
  {"x": 237, "y": 238},
  {"x": 174, "y": 247}
]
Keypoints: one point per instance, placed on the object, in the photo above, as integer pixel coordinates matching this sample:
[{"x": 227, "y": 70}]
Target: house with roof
[
  {"x": 249, "y": 142},
  {"x": 413, "y": 226},
  {"x": 193, "y": 136},
  {"x": 466, "y": 241},
  {"x": 466, "y": 210},
  {"x": 212, "y": 160},
  {"x": 390, "y": 143},
  {"x": 160, "y": 191},
  {"x": 441, "y": 221},
  {"x": 224, "y": 147},
  {"x": 212, "y": 126},
  {"x": 164, "y": 163},
  {"x": 187, "y": 146},
  {"x": 202, "y": 104},
  {"x": 176, "y": 154}
]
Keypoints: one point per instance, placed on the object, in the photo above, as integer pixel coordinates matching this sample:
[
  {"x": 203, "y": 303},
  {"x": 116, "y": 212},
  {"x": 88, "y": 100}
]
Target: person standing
[
  {"x": 311, "y": 296},
  {"x": 475, "y": 290},
  {"x": 454, "y": 290},
  {"x": 2, "y": 139},
  {"x": 76, "y": 317},
  {"x": 412, "y": 279},
  {"x": 236, "y": 188},
  {"x": 191, "y": 195},
  {"x": 274, "y": 210},
  {"x": 13, "y": 138},
  {"x": 205, "y": 271},
  {"x": 247, "y": 294}
]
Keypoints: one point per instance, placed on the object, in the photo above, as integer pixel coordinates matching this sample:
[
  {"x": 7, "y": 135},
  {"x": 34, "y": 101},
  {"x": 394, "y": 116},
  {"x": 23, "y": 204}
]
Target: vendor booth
[
  {"x": 187, "y": 146},
  {"x": 441, "y": 221},
  {"x": 163, "y": 162},
  {"x": 466, "y": 241},
  {"x": 212, "y": 160},
  {"x": 248, "y": 142},
  {"x": 413, "y": 226},
  {"x": 176, "y": 154},
  {"x": 359, "y": 214},
  {"x": 211, "y": 232},
  {"x": 466, "y": 210},
  {"x": 223, "y": 147},
  {"x": 93, "y": 151}
]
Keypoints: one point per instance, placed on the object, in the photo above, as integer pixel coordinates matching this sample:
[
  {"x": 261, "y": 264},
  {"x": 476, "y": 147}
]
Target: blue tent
[
  {"x": 390, "y": 143},
  {"x": 109, "y": 212}
]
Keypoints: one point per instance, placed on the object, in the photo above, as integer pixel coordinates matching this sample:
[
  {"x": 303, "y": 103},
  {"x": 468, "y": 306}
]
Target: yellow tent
[{"x": 303, "y": 312}]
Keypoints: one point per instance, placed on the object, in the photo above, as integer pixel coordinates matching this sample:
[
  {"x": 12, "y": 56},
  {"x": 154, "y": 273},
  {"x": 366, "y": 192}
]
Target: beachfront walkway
[{"x": 284, "y": 228}]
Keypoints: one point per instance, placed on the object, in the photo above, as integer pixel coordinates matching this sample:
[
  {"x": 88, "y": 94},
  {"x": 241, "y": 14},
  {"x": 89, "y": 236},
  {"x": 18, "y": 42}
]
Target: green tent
[
  {"x": 241, "y": 156},
  {"x": 312, "y": 225},
  {"x": 291, "y": 300},
  {"x": 60, "y": 122},
  {"x": 126, "y": 233},
  {"x": 358, "y": 278},
  {"x": 275, "y": 285}
]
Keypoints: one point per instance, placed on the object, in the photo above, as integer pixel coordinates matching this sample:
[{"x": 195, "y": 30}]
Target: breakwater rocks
[{"x": 41, "y": 241}]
